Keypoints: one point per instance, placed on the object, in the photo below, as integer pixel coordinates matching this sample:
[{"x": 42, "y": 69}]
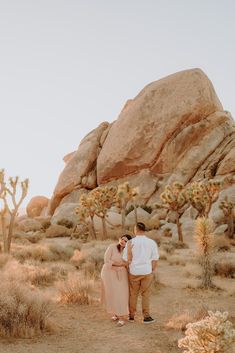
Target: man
[{"x": 142, "y": 255}]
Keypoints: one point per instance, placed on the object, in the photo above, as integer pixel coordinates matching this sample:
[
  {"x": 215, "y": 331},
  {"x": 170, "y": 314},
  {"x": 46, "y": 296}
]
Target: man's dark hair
[{"x": 140, "y": 226}]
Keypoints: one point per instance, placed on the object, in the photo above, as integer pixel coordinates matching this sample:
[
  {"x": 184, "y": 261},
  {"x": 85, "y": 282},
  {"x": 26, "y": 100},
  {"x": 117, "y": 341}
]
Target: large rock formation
[{"x": 175, "y": 129}]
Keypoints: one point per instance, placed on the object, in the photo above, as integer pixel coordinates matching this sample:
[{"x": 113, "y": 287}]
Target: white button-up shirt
[{"x": 144, "y": 251}]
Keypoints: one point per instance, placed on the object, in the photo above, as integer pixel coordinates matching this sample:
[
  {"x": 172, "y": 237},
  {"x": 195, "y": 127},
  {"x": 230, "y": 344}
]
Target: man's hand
[{"x": 154, "y": 265}]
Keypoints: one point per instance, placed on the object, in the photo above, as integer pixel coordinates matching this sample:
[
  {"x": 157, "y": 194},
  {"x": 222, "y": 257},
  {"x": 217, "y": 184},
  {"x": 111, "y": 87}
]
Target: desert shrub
[
  {"x": 90, "y": 258},
  {"x": 45, "y": 223},
  {"x": 222, "y": 243},
  {"x": 40, "y": 276},
  {"x": 61, "y": 252},
  {"x": 23, "y": 312},
  {"x": 232, "y": 242},
  {"x": 193, "y": 270},
  {"x": 168, "y": 248},
  {"x": 66, "y": 223},
  {"x": 225, "y": 268},
  {"x": 179, "y": 244},
  {"x": 180, "y": 320},
  {"x": 162, "y": 254},
  {"x": 90, "y": 261},
  {"x": 46, "y": 252},
  {"x": 76, "y": 290},
  {"x": 34, "y": 237},
  {"x": 4, "y": 258},
  {"x": 176, "y": 260},
  {"x": 167, "y": 233},
  {"x": 211, "y": 335}
]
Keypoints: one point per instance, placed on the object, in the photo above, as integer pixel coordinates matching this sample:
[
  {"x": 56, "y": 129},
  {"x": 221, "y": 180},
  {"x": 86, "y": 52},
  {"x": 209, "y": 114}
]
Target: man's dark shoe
[
  {"x": 131, "y": 318},
  {"x": 149, "y": 320}
]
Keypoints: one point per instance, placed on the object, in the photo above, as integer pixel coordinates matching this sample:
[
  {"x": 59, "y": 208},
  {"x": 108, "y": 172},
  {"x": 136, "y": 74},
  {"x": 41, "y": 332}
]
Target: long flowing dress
[{"x": 115, "y": 288}]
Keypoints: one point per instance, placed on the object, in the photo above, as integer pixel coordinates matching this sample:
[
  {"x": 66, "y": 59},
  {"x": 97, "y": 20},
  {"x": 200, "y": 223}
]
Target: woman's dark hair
[
  {"x": 128, "y": 236},
  {"x": 140, "y": 226}
]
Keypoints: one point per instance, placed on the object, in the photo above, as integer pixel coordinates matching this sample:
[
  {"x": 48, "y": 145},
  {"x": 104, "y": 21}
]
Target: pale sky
[{"x": 66, "y": 66}]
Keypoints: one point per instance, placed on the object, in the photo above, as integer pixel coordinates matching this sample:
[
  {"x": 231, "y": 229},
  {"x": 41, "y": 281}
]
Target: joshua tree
[
  {"x": 102, "y": 198},
  {"x": 86, "y": 213},
  {"x": 214, "y": 334},
  {"x": 126, "y": 193},
  {"x": 174, "y": 199},
  {"x": 228, "y": 208},
  {"x": 205, "y": 240},
  {"x": 202, "y": 194},
  {"x": 8, "y": 195}
]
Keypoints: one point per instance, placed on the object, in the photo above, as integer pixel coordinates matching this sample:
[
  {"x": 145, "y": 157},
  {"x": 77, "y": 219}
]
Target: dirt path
[{"x": 88, "y": 329}]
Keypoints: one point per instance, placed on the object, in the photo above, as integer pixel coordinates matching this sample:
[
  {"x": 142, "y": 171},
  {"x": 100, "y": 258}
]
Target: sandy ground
[{"x": 88, "y": 329}]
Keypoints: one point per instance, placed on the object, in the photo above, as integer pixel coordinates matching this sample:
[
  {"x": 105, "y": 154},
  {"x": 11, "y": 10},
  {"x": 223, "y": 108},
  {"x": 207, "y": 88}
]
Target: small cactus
[{"x": 213, "y": 334}]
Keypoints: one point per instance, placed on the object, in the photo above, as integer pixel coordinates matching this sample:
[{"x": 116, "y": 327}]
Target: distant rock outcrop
[
  {"x": 36, "y": 206},
  {"x": 174, "y": 129}
]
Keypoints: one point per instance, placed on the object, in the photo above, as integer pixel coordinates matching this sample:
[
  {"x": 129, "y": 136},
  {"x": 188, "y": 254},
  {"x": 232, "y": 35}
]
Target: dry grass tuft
[
  {"x": 4, "y": 258},
  {"x": 193, "y": 270},
  {"x": 90, "y": 258},
  {"x": 23, "y": 312},
  {"x": 176, "y": 260},
  {"x": 225, "y": 268},
  {"x": 46, "y": 252},
  {"x": 180, "y": 320},
  {"x": 221, "y": 243},
  {"x": 76, "y": 290}
]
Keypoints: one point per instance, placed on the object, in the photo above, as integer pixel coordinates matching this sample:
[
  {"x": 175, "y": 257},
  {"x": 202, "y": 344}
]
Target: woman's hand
[{"x": 119, "y": 263}]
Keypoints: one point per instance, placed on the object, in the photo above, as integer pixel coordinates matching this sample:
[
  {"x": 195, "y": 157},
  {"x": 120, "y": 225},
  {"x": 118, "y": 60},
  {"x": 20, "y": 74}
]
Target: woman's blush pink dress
[{"x": 115, "y": 288}]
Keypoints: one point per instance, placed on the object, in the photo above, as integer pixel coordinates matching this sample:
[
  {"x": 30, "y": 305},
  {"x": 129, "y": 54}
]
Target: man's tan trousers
[{"x": 140, "y": 284}]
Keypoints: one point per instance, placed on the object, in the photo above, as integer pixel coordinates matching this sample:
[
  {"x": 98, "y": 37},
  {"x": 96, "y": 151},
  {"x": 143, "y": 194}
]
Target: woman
[{"x": 114, "y": 276}]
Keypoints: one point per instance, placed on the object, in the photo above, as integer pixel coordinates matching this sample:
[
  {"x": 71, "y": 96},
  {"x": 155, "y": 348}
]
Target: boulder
[
  {"x": 216, "y": 213},
  {"x": 65, "y": 212},
  {"x": 221, "y": 229},
  {"x": 142, "y": 216},
  {"x": 36, "y": 205},
  {"x": 29, "y": 224},
  {"x": 80, "y": 168},
  {"x": 56, "y": 230},
  {"x": 157, "y": 128},
  {"x": 172, "y": 227},
  {"x": 74, "y": 196}
]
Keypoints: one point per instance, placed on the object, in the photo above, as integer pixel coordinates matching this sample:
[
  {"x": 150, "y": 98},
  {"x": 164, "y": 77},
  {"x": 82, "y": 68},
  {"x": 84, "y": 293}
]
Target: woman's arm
[{"x": 108, "y": 258}]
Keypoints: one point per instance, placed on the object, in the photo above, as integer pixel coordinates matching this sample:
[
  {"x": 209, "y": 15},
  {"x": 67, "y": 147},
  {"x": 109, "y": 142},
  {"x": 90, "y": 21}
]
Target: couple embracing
[{"x": 127, "y": 271}]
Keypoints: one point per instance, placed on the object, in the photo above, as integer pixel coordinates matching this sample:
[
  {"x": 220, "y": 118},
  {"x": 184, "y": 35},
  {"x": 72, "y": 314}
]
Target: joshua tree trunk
[
  {"x": 179, "y": 229},
  {"x": 136, "y": 216},
  {"x": 10, "y": 230},
  {"x": 123, "y": 220},
  {"x": 105, "y": 234},
  {"x": 92, "y": 228},
  {"x": 4, "y": 234},
  {"x": 230, "y": 224},
  {"x": 207, "y": 272}
]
